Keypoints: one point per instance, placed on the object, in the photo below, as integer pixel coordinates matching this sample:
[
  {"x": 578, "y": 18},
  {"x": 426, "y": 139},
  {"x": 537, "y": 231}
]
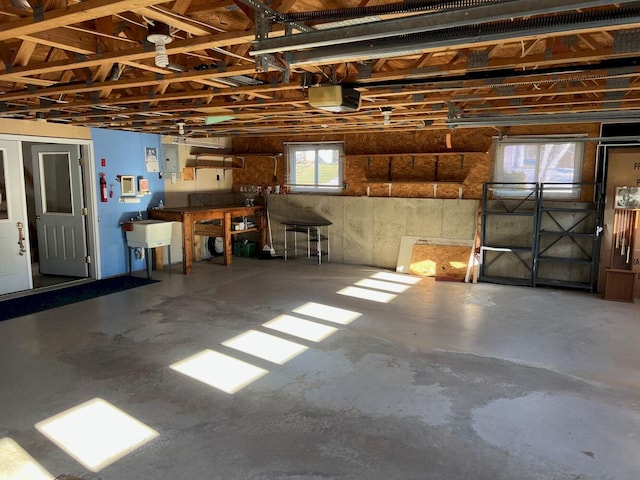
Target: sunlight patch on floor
[
  {"x": 265, "y": 346},
  {"x": 219, "y": 371},
  {"x": 327, "y": 312},
  {"x": 396, "y": 277},
  {"x": 17, "y": 464},
  {"x": 96, "y": 433},
  {"x": 366, "y": 294},
  {"x": 381, "y": 285},
  {"x": 312, "y": 331}
]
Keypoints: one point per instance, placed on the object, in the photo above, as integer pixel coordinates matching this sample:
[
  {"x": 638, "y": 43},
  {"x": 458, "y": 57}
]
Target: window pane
[
  {"x": 305, "y": 167},
  {"x": 532, "y": 162},
  {"x": 557, "y": 162},
  {"x": 56, "y": 180},
  {"x": 519, "y": 163},
  {"x": 315, "y": 167},
  {"x": 3, "y": 190},
  {"x": 328, "y": 167}
]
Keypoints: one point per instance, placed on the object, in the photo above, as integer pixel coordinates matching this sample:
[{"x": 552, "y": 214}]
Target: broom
[{"x": 268, "y": 251}]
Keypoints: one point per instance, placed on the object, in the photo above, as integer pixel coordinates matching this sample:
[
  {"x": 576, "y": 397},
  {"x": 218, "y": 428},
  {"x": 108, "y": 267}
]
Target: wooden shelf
[
  {"x": 422, "y": 178},
  {"x": 220, "y": 162},
  {"x": 410, "y": 182},
  {"x": 421, "y": 154}
]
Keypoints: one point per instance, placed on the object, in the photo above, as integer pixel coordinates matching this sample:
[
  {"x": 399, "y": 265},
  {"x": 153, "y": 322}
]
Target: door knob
[{"x": 38, "y": 217}]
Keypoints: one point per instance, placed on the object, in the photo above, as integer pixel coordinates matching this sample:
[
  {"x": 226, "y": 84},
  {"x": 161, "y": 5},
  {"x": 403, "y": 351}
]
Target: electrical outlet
[{"x": 174, "y": 176}]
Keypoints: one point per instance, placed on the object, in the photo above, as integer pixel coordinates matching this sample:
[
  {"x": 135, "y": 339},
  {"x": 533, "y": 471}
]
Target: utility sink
[{"x": 148, "y": 233}]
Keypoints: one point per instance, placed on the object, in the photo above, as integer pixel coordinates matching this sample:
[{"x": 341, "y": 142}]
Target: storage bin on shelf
[{"x": 244, "y": 249}]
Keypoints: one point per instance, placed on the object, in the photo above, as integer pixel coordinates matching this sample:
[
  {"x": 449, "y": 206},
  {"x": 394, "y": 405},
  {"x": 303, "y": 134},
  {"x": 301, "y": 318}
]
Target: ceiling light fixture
[
  {"x": 214, "y": 142},
  {"x": 160, "y": 35},
  {"x": 386, "y": 114}
]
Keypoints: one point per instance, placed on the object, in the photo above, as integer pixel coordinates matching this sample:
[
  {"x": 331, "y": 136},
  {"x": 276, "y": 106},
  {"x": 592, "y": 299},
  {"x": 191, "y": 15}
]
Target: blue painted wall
[{"x": 124, "y": 154}]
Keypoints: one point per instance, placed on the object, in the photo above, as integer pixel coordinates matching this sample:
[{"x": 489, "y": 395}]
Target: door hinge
[
  {"x": 81, "y": 161},
  {"x": 87, "y": 259},
  {"x": 85, "y": 211}
]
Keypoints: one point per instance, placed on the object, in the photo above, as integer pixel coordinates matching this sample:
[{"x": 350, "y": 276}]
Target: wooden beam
[
  {"x": 135, "y": 54},
  {"x": 24, "y": 52},
  {"x": 76, "y": 13},
  {"x": 178, "y": 21}
]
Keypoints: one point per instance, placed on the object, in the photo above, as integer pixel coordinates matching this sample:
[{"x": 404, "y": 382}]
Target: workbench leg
[
  {"x": 228, "y": 254},
  {"x": 187, "y": 244},
  {"x": 262, "y": 229}
]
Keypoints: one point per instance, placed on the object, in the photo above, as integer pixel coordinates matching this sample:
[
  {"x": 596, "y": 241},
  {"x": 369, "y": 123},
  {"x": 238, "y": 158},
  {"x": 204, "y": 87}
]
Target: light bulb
[{"x": 162, "y": 59}]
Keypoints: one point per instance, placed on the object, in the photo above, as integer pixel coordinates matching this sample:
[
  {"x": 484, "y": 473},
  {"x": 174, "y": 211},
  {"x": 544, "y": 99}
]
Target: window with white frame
[
  {"x": 525, "y": 160},
  {"x": 315, "y": 167}
]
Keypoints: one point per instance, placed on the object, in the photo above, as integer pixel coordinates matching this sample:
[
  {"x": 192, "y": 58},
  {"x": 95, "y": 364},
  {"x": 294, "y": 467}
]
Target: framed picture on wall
[
  {"x": 627, "y": 197},
  {"x": 151, "y": 159},
  {"x": 128, "y": 186}
]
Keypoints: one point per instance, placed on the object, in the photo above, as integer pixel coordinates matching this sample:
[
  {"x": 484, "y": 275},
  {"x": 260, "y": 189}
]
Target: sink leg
[
  {"x": 129, "y": 250},
  {"x": 148, "y": 262}
]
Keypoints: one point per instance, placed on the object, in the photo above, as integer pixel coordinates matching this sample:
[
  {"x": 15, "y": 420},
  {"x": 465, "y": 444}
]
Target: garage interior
[{"x": 505, "y": 345}]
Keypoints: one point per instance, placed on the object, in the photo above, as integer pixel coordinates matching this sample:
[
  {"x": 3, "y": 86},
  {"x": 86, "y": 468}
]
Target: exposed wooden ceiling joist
[{"x": 88, "y": 63}]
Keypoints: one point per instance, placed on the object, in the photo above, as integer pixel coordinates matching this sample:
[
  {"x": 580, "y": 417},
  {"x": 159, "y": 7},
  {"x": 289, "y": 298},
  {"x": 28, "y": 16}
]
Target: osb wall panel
[
  {"x": 367, "y": 159},
  {"x": 440, "y": 261},
  {"x": 267, "y": 170}
]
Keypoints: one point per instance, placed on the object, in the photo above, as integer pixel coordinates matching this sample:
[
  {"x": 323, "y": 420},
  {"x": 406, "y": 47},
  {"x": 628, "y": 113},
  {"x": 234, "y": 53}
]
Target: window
[
  {"x": 528, "y": 161},
  {"x": 315, "y": 167}
]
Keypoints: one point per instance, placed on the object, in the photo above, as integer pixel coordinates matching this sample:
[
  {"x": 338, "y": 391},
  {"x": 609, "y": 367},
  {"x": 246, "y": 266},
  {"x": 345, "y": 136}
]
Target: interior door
[
  {"x": 60, "y": 220},
  {"x": 15, "y": 261}
]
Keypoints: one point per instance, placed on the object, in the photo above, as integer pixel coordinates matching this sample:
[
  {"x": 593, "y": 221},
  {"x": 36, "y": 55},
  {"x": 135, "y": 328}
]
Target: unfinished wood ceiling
[{"x": 245, "y": 67}]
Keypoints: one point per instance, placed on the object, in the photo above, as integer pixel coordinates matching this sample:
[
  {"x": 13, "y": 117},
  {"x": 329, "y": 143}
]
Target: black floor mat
[{"x": 17, "y": 307}]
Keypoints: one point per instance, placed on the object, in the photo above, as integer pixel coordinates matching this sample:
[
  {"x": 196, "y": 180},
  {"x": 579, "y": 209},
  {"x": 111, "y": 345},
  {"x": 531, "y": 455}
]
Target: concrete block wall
[{"x": 367, "y": 230}]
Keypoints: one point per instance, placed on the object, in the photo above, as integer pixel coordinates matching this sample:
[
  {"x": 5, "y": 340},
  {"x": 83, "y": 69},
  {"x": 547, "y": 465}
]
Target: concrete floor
[{"x": 445, "y": 381}]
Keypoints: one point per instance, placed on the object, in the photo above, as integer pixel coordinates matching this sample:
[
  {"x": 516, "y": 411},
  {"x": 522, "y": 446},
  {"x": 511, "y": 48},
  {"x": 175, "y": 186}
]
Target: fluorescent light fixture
[
  {"x": 327, "y": 312},
  {"x": 96, "y": 433},
  {"x": 238, "y": 80},
  {"x": 265, "y": 346},
  {"x": 394, "y": 277},
  {"x": 219, "y": 371},
  {"x": 17, "y": 464},
  {"x": 217, "y": 119},
  {"x": 194, "y": 142},
  {"x": 348, "y": 22},
  {"x": 380, "y": 285},
  {"x": 312, "y": 331},
  {"x": 366, "y": 294}
]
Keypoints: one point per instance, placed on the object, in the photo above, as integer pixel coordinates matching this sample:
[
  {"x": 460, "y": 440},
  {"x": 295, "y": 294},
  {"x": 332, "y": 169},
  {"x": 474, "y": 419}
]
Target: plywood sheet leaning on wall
[{"x": 435, "y": 257}]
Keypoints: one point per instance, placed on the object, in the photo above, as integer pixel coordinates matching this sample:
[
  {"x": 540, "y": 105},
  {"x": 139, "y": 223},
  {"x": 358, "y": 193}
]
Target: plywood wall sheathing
[{"x": 408, "y": 157}]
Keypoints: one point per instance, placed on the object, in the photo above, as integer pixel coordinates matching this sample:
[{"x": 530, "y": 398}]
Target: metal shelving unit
[
  {"x": 530, "y": 238},
  {"x": 508, "y": 249},
  {"x": 568, "y": 236}
]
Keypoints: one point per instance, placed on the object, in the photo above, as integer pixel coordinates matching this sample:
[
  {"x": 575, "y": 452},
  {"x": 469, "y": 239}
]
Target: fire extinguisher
[{"x": 103, "y": 188}]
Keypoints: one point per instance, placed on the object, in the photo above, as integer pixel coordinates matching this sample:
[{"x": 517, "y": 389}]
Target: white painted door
[
  {"x": 15, "y": 260},
  {"x": 60, "y": 219}
]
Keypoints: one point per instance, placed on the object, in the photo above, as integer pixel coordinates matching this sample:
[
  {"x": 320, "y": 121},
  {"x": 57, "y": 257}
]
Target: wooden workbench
[{"x": 191, "y": 218}]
